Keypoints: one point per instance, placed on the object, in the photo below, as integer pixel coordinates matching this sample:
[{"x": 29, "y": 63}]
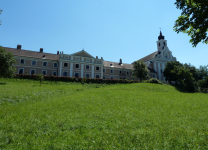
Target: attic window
[
  {"x": 43, "y": 56},
  {"x": 111, "y": 64}
]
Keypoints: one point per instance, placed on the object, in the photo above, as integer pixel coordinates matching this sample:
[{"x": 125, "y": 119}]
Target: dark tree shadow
[{"x": 2, "y": 83}]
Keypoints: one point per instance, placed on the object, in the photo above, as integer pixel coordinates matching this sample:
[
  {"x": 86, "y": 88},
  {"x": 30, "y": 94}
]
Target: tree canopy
[
  {"x": 6, "y": 63},
  {"x": 140, "y": 70},
  {"x": 193, "y": 20}
]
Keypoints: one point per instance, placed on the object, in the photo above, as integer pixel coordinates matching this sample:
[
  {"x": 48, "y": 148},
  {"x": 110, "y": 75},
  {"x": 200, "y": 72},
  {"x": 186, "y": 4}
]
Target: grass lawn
[{"x": 126, "y": 116}]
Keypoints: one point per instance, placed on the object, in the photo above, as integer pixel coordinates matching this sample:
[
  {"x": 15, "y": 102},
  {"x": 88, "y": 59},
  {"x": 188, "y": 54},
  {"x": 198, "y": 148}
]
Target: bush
[
  {"x": 152, "y": 80},
  {"x": 72, "y": 79}
]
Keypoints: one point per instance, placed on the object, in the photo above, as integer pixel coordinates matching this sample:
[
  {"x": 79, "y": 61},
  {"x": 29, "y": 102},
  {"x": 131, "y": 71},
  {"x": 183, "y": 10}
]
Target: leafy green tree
[
  {"x": 6, "y": 63},
  {"x": 193, "y": 20},
  {"x": 171, "y": 71},
  {"x": 140, "y": 70},
  {"x": 41, "y": 78}
]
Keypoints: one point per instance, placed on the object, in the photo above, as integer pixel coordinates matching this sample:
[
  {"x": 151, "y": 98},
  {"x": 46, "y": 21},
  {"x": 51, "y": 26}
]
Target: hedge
[{"x": 73, "y": 79}]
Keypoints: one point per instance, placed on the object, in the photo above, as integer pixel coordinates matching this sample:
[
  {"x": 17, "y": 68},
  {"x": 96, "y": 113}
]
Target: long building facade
[{"x": 82, "y": 64}]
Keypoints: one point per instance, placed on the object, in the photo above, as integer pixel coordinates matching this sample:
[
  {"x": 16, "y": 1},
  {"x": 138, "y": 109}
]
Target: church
[{"x": 83, "y": 65}]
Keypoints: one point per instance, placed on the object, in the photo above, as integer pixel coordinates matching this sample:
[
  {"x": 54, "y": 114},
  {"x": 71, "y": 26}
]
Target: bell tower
[{"x": 161, "y": 43}]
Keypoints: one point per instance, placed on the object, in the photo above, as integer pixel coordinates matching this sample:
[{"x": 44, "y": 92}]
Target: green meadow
[{"x": 92, "y": 116}]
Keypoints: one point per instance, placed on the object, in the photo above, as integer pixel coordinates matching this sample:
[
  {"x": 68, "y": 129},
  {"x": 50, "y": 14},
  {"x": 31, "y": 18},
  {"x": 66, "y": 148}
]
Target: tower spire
[{"x": 161, "y": 36}]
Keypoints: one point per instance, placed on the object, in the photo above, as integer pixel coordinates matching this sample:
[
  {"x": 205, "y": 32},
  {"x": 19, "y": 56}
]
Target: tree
[
  {"x": 193, "y": 20},
  {"x": 171, "y": 71},
  {"x": 0, "y": 13},
  {"x": 6, "y": 63},
  {"x": 140, "y": 70}
]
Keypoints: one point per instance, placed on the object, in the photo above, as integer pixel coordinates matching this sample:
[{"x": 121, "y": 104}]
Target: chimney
[
  {"x": 19, "y": 46},
  {"x": 96, "y": 57},
  {"x": 41, "y": 50},
  {"x": 57, "y": 52},
  {"x": 120, "y": 61}
]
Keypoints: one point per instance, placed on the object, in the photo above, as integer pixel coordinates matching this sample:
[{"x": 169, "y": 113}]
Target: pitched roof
[
  {"x": 117, "y": 65},
  {"x": 82, "y": 53},
  {"x": 148, "y": 57},
  {"x": 27, "y": 53}
]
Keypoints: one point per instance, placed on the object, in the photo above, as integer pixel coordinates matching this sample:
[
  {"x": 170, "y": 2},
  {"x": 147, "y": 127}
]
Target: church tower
[{"x": 161, "y": 43}]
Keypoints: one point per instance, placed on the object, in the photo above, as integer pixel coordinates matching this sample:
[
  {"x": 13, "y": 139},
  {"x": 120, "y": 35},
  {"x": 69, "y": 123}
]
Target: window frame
[
  {"x": 112, "y": 71},
  {"x": 22, "y": 71},
  {"x": 66, "y": 66},
  {"x": 75, "y": 73},
  {"x": 76, "y": 66},
  {"x": 127, "y": 72},
  {"x": 46, "y": 63},
  {"x": 55, "y": 72},
  {"x": 103, "y": 70},
  {"x": 86, "y": 67},
  {"x": 86, "y": 75},
  {"x": 22, "y": 59},
  {"x": 104, "y": 77},
  {"x": 34, "y": 61},
  {"x": 55, "y": 63},
  {"x": 31, "y": 70},
  {"x": 66, "y": 74},
  {"x": 45, "y": 71},
  {"x": 96, "y": 68},
  {"x": 97, "y": 75}
]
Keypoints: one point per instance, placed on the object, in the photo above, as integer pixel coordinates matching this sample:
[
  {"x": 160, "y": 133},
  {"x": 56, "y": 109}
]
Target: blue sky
[{"x": 111, "y": 29}]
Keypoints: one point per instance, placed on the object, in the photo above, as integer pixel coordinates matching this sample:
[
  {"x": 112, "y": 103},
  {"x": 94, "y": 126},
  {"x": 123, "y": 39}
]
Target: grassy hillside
[{"x": 72, "y": 116}]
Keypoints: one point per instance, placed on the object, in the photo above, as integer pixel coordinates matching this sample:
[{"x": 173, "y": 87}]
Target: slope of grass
[{"x": 72, "y": 116}]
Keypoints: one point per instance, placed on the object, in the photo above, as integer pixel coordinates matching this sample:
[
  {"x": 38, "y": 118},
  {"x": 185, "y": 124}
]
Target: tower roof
[{"x": 161, "y": 36}]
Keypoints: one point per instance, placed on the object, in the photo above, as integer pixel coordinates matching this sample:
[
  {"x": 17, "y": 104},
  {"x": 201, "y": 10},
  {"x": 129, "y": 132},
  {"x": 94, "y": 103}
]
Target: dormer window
[{"x": 111, "y": 64}]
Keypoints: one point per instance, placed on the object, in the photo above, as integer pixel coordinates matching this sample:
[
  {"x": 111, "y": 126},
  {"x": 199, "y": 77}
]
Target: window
[
  {"x": 111, "y": 64},
  {"x": 153, "y": 75},
  {"x": 159, "y": 44},
  {"x": 21, "y": 71},
  {"x": 104, "y": 77},
  {"x": 87, "y": 75},
  {"x": 45, "y": 64},
  {"x": 33, "y": 62},
  {"x": 164, "y": 43},
  {"x": 43, "y": 72},
  {"x": 32, "y": 72},
  {"x": 77, "y": 66},
  {"x": 97, "y": 76},
  {"x": 22, "y": 61},
  {"x": 65, "y": 64},
  {"x": 76, "y": 75},
  {"x": 103, "y": 70},
  {"x": 65, "y": 73},
  {"x": 87, "y": 67},
  {"x": 54, "y": 73},
  {"x": 111, "y": 70},
  {"x": 112, "y": 78},
  {"x": 127, "y": 72},
  {"x": 55, "y": 65},
  {"x": 97, "y": 68},
  {"x": 120, "y": 72},
  {"x": 161, "y": 71}
]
